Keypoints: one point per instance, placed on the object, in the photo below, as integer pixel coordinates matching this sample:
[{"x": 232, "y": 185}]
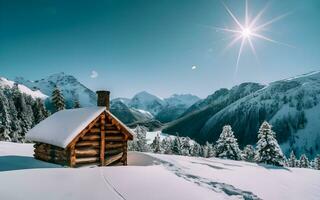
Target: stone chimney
[{"x": 103, "y": 98}]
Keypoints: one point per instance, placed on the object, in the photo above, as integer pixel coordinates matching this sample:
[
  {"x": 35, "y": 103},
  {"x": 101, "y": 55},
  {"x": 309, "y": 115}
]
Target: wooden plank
[
  {"x": 113, "y": 159},
  {"x": 102, "y": 141},
  {"x": 87, "y": 160},
  {"x": 88, "y": 144},
  {"x": 125, "y": 154}
]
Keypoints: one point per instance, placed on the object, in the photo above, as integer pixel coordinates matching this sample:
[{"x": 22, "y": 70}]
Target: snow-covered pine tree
[
  {"x": 248, "y": 153},
  {"x": 176, "y": 146},
  {"x": 210, "y": 150},
  {"x": 5, "y": 120},
  {"x": 292, "y": 161},
  {"x": 76, "y": 103},
  {"x": 166, "y": 145},
  {"x": 203, "y": 151},
  {"x": 268, "y": 150},
  {"x": 195, "y": 150},
  {"x": 39, "y": 111},
  {"x": 227, "y": 145},
  {"x": 304, "y": 161},
  {"x": 317, "y": 162},
  {"x": 186, "y": 147},
  {"x": 141, "y": 132},
  {"x": 155, "y": 145},
  {"x": 58, "y": 99}
]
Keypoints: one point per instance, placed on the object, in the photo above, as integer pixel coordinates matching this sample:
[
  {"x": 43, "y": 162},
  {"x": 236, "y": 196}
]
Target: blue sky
[{"x": 151, "y": 45}]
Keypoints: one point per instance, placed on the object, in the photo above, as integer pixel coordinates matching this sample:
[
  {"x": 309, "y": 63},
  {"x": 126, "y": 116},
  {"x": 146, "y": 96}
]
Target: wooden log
[
  {"x": 90, "y": 137},
  {"x": 110, "y": 145},
  {"x": 48, "y": 157},
  {"x": 114, "y": 138},
  {"x": 113, "y": 132},
  {"x": 102, "y": 141},
  {"x": 51, "y": 151},
  {"x": 94, "y": 130},
  {"x": 88, "y": 144},
  {"x": 113, "y": 159},
  {"x": 87, "y": 160},
  {"x": 87, "y": 152},
  {"x": 113, "y": 151}
]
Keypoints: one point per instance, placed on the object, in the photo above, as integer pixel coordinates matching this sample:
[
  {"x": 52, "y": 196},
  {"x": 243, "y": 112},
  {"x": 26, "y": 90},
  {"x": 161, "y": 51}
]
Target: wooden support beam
[
  {"x": 72, "y": 156},
  {"x": 102, "y": 141},
  {"x": 113, "y": 159},
  {"x": 115, "y": 138}
]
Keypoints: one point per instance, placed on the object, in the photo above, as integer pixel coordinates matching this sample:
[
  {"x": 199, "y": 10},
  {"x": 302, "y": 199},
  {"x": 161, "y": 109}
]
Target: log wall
[{"x": 52, "y": 154}]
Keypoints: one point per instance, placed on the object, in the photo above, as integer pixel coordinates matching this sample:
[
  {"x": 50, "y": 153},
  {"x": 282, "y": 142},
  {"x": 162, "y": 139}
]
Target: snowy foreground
[{"x": 150, "y": 176}]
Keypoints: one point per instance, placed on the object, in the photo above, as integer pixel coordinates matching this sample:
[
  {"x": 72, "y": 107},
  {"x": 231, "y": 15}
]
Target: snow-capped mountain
[
  {"x": 290, "y": 105},
  {"x": 175, "y": 106},
  {"x": 148, "y": 102},
  {"x": 71, "y": 88},
  {"x": 164, "y": 110},
  {"x": 128, "y": 115},
  {"x": 22, "y": 88}
]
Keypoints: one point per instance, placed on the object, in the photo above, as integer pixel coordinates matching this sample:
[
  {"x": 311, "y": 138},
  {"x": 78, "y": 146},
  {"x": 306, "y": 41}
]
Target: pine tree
[
  {"x": 141, "y": 138},
  {"x": 304, "y": 162},
  {"x": 248, "y": 153},
  {"x": 76, "y": 103},
  {"x": 39, "y": 111},
  {"x": 58, "y": 99},
  {"x": 176, "y": 146},
  {"x": 195, "y": 150},
  {"x": 186, "y": 147},
  {"x": 5, "y": 120},
  {"x": 268, "y": 150},
  {"x": 156, "y": 147},
  {"x": 227, "y": 145},
  {"x": 317, "y": 162},
  {"x": 210, "y": 150},
  {"x": 292, "y": 161},
  {"x": 166, "y": 145}
]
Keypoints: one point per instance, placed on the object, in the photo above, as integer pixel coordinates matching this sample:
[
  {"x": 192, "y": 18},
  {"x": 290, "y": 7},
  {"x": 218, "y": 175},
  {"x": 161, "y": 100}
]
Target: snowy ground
[{"x": 151, "y": 176}]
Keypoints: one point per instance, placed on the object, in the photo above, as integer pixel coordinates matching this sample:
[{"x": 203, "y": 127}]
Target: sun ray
[
  {"x": 271, "y": 21},
  {"x": 271, "y": 40},
  {"x": 233, "y": 17},
  {"x": 246, "y": 17},
  {"x": 239, "y": 54},
  {"x": 258, "y": 16}
]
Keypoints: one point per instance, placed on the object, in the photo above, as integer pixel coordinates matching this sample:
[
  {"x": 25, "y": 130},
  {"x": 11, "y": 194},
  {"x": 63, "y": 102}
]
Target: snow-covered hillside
[
  {"x": 22, "y": 88},
  {"x": 151, "y": 176},
  {"x": 71, "y": 88}
]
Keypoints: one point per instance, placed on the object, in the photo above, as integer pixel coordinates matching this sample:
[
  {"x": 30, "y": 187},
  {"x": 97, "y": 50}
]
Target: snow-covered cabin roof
[{"x": 62, "y": 127}]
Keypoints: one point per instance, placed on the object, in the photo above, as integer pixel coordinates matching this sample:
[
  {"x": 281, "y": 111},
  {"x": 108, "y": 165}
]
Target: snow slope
[
  {"x": 151, "y": 176},
  {"x": 22, "y": 88}
]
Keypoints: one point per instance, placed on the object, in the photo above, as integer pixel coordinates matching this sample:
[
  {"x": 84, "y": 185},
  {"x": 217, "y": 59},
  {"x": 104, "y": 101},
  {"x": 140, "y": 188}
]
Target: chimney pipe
[{"x": 103, "y": 98}]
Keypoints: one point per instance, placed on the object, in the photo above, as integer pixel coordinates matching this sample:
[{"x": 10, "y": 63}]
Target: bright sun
[
  {"x": 246, "y": 32},
  {"x": 250, "y": 29}
]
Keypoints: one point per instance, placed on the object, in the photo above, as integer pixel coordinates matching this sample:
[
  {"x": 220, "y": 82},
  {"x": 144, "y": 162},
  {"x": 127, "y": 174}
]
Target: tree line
[{"x": 266, "y": 150}]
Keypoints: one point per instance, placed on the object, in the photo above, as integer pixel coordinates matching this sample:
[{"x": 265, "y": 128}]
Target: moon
[{"x": 194, "y": 67}]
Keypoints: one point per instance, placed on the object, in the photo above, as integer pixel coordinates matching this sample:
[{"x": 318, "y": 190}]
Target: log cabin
[{"x": 83, "y": 136}]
